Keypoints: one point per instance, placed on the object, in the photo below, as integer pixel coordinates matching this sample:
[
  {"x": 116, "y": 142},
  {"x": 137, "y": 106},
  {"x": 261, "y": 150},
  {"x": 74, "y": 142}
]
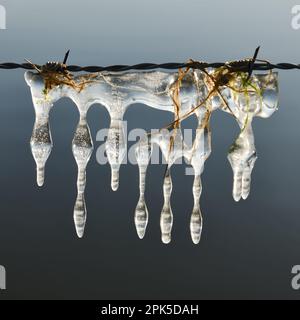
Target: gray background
[{"x": 247, "y": 248}]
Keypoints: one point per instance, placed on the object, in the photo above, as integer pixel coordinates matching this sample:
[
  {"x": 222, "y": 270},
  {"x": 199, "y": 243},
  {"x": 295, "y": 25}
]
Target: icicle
[
  {"x": 41, "y": 141},
  {"x": 260, "y": 100},
  {"x": 242, "y": 153},
  {"x": 242, "y": 156},
  {"x": 196, "y": 216},
  {"x": 115, "y": 149},
  {"x": 41, "y": 146},
  {"x": 198, "y": 154},
  {"x": 172, "y": 147},
  {"x": 82, "y": 147},
  {"x": 80, "y": 214},
  {"x": 166, "y": 218},
  {"x": 143, "y": 154}
]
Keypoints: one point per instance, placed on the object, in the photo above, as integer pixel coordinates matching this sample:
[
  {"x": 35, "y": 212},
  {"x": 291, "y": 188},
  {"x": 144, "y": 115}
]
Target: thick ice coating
[
  {"x": 116, "y": 92},
  {"x": 260, "y": 100}
]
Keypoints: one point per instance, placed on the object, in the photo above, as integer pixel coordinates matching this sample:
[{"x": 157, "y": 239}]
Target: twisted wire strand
[{"x": 235, "y": 66}]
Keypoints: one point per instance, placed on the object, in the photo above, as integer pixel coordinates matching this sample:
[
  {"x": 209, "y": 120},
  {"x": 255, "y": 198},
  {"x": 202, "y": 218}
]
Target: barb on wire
[
  {"x": 251, "y": 63},
  {"x": 66, "y": 57}
]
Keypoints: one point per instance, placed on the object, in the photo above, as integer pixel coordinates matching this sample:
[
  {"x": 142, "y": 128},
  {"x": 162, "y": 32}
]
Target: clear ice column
[
  {"x": 200, "y": 151},
  {"x": 171, "y": 145},
  {"x": 242, "y": 157},
  {"x": 261, "y": 100},
  {"x": 143, "y": 154},
  {"x": 166, "y": 217},
  {"x": 196, "y": 221},
  {"x": 82, "y": 147},
  {"x": 41, "y": 141},
  {"x": 115, "y": 149}
]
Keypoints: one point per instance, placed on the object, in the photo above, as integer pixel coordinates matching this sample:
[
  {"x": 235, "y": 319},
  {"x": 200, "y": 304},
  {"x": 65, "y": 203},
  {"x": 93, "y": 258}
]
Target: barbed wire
[
  {"x": 235, "y": 66},
  {"x": 246, "y": 65}
]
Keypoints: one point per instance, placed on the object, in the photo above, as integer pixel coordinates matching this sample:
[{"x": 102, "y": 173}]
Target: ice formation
[
  {"x": 260, "y": 101},
  {"x": 197, "y": 95}
]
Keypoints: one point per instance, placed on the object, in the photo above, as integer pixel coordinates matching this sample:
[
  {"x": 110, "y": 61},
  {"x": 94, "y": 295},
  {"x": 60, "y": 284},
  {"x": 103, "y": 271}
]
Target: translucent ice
[
  {"x": 116, "y": 91},
  {"x": 261, "y": 100},
  {"x": 143, "y": 154},
  {"x": 115, "y": 150},
  {"x": 166, "y": 217},
  {"x": 82, "y": 148},
  {"x": 173, "y": 148},
  {"x": 41, "y": 141},
  {"x": 196, "y": 221},
  {"x": 197, "y": 156},
  {"x": 242, "y": 156}
]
